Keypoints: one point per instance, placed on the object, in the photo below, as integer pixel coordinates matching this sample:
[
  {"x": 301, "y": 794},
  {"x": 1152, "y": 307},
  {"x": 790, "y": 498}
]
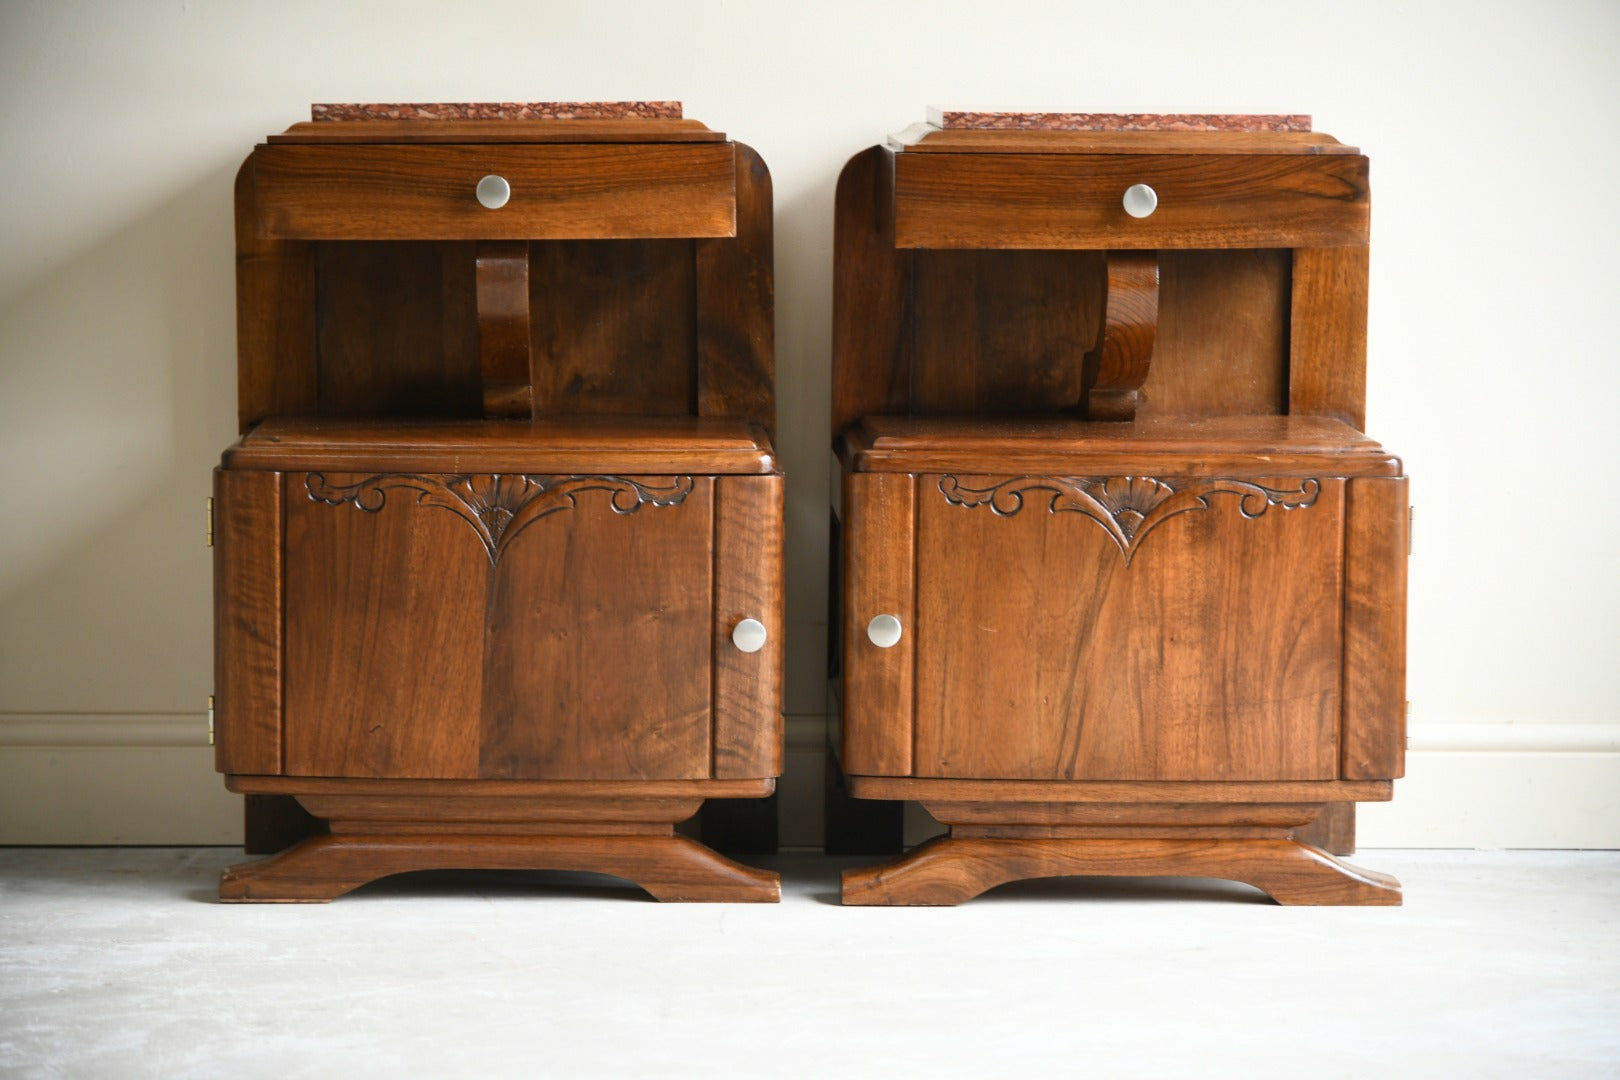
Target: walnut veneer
[
  {"x": 504, "y": 503},
  {"x": 1104, "y": 474}
]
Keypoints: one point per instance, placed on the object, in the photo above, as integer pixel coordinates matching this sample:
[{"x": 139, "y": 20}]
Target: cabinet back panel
[
  {"x": 397, "y": 330},
  {"x": 613, "y": 327},
  {"x": 1222, "y": 345},
  {"x": 1001, "y": 331},
  {"x": 1006, "y": 332}
]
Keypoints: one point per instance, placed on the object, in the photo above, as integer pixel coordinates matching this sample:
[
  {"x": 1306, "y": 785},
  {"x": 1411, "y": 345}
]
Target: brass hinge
[
  {"x": 210, "y": 505},
  {"x": 210, "y": 719}
]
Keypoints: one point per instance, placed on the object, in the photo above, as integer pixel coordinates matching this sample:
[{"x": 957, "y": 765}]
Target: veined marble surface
[
  {"x": 501, "y": 110},
  {"x": 964, "y": 119}
]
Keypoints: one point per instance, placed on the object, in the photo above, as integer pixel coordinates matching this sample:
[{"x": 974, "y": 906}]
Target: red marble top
[
  {"x": 502, "y": 110},
  {"x": 964, "y": 119}
]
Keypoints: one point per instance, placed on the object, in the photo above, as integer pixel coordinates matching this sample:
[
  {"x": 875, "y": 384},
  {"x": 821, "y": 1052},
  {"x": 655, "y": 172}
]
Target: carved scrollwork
[
  {"x": 1127, "y": 507},
  {"x": 499, "y": 506}
]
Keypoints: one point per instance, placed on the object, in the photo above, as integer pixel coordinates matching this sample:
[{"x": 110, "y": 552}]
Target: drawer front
[
  {"x": 1077, "y": 201},
  {"x": 556, "y": 192}
]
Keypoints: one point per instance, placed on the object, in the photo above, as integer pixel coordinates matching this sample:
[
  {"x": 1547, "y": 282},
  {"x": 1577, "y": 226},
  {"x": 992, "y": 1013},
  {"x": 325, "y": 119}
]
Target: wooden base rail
[
  {"x": 972, "y": 859},
  {"x": 374, "y": 837}
]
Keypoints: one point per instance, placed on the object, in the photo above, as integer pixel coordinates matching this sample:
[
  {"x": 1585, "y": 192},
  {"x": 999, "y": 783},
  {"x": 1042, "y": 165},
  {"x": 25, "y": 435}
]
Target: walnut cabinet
[
  {"x": 1123, "y": 584},
  {"x": 499, "y": 554}
]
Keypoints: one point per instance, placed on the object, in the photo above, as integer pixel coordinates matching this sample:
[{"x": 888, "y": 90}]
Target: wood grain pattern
[
  {"x": 1222, "y": 342},
  {"x": 387, "y": 826},
  {"x": 398, "y": 330},
  {"x": 960, "y": 790},
  {"x": 597, "y": 644},
  {"x": 735, "y": 291},
  {"x": 1333, "y": 830},
  {"x": 1069, "y": 201},
  {"x": 248, "y": 642},
  {"x": 561, "y": 191},
  {"x": 870, "y": 374},
  {"x": 384, "y": 657},
  {"x": 431, "y": 791},
  {"x": 614, "y": 445},
  {"x": 879, "y": 519},
  {"x": 1118, "y": 365},
  {"x": 950, "y": 870},
  {"x": 355, "y": 811},
  {"x": 502, "y": 274},
  {"x": 1052, "y": 816},
  {"x": 670, "y": 868},
  {"x": 749, "y": 583},
  {"x": 1213, "y": 654},
  {"x": 613, "y": 328},
  {"x": 275, "y": 317},
  {"x": 999, "y": 332},
  {"x": 1374, "y": 724},
  {"x": 1328, "y": 334},
  {"x": 1168, "y": 446}
]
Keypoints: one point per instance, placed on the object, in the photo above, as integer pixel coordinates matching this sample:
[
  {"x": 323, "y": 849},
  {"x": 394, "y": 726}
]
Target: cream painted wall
[{"x": 1493, "y": 365}]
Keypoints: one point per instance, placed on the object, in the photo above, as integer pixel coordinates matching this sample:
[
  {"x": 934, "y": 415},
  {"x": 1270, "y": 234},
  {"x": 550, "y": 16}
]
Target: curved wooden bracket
[
  {"x": 503, "y": 329},
  {"x": 1117, "y": 365}
]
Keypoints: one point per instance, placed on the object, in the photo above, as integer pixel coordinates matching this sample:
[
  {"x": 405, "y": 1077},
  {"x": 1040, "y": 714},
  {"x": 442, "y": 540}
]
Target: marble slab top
[
  {"x": 973, "y": 120},
  {"x": 501, "y": 110}
]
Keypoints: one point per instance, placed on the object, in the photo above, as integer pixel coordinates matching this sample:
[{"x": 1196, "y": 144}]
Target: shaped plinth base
[
  {"x": 951, "y": 869},
  {"x": 374, "y": 837}
]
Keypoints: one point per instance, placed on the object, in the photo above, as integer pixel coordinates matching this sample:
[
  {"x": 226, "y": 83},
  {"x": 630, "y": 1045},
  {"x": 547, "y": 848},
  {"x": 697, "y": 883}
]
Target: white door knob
[
  {"x": 493, "y": 191},
  {"x": 883, "y": 631},
  {"x": 749, "y": 635},
  {"x": 1140, "y": 200}
]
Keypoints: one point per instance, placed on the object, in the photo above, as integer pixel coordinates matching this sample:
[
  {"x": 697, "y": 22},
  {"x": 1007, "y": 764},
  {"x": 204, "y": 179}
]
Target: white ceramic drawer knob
[
  {"x": 1140, "y": 200},
  {"x": 493, "y": 191},
  {"x": 883, "y": 631},
  {"x": 749, "y": 635}
]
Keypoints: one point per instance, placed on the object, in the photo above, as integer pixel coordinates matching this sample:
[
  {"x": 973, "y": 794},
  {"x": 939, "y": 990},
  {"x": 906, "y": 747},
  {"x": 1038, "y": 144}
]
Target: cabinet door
[
  {"x": 533, "y": 627},
  {"x": 748, "y": 584},
  {"x": 1121, "y": 628}
]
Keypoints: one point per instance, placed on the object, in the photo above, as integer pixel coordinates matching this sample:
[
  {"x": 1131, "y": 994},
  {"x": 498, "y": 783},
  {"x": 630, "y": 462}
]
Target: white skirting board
[{"x": 149, "y": 779}]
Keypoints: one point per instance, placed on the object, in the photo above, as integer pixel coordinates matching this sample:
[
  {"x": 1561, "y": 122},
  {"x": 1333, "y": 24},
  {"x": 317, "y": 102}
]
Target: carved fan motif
[
  {"x": 500, "y": 506},
  {"x": 1127, "y": 507}
]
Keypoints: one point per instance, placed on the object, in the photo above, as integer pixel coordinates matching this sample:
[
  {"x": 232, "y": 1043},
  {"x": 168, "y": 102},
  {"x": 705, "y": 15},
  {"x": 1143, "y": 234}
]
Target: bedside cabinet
[
  {"x": 1123, "y": 583},
  {"x": 499, "y": 555}
]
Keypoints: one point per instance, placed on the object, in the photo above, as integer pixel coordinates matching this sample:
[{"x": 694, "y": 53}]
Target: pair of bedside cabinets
[{"x": 499, "y": 554}]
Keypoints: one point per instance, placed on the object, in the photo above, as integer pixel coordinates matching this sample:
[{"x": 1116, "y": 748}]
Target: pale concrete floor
[{"x": 115, "y": 963}]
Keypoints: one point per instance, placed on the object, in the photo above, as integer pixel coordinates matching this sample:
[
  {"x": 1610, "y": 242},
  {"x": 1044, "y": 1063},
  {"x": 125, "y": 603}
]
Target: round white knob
[
  {"x": 883, "y": 631},
  {"x": 749, "y": 635},
  {"x": 1140, "y": 200},
  {"x": 493, "y": 191}
]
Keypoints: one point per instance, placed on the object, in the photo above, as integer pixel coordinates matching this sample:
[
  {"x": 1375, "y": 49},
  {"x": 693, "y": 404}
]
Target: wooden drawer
[
  {"x": 1075, "y": 201},
  {"x": 568, "y": 191}
]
